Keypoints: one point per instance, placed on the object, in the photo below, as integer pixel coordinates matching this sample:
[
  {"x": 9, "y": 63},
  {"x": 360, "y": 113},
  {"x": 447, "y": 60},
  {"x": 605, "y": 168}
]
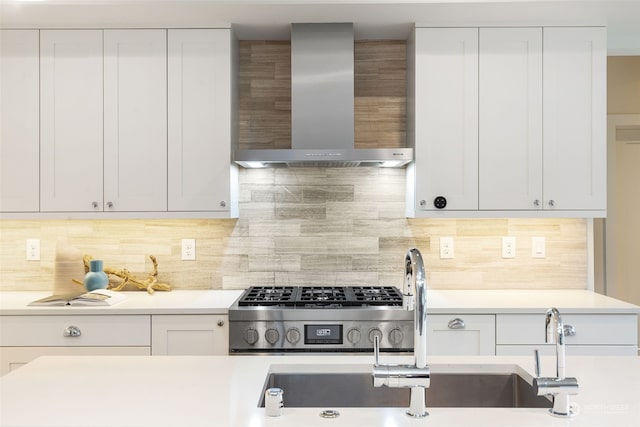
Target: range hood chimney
[{"x": 322, "y": 106}]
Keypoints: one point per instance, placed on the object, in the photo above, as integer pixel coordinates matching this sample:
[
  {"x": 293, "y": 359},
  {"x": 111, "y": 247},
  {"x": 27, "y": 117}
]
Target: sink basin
[{"x": 312, "y": 389}]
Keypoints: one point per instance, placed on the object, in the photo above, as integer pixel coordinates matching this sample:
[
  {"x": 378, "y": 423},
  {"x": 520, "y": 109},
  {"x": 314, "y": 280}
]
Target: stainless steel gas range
[{"x": 284, "y": 319}]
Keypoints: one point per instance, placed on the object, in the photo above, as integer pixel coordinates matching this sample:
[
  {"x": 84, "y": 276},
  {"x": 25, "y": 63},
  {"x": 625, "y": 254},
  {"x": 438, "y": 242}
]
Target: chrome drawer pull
[
  {"x": 72, "y": 331},
  {"x": 456, "y": 323},
  {"x": 569, "y": 331}
]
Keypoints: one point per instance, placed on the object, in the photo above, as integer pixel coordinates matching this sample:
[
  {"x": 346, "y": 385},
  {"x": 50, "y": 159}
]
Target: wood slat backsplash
[{"x": 265, "y": 94}]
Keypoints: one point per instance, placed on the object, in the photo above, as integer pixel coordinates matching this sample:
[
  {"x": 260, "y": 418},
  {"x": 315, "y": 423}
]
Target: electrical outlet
[
  {"x": 538, "y": 247},
  {"x": 188, "y": 249},
  {"x": 33, "y": 249},
  {"x": 446, "y": 248},
  {"x": 508, "y": 247}
]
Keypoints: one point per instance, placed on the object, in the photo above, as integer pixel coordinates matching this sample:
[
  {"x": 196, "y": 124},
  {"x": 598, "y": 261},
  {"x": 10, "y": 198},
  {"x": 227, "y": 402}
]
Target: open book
[{"x": 96, "y": 297}]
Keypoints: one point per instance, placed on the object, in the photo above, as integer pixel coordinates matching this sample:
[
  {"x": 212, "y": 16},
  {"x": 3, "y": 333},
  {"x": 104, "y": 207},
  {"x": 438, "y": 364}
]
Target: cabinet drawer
[
  {"x": 590, "y": 329},
  {"x": 110, "y": 330},
  {"x": 460, "y": 334}
]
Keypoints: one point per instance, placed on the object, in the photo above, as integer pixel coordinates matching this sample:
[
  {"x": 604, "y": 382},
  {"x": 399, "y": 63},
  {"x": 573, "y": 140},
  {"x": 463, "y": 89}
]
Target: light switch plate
[{"x": 538, "y": 247}]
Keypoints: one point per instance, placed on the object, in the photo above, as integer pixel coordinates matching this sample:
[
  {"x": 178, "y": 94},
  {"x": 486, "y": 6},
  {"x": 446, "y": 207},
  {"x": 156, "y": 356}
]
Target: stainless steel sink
[{"x": 465, "y": 390}]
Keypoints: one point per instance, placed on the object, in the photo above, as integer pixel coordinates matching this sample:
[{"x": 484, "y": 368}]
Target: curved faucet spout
[
  {"x": 415, "y": 298},
  {"x": 554, "y": 329}
]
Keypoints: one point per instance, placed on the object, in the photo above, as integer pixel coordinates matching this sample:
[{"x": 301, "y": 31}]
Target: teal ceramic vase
[{"x": 96, "y": 278}]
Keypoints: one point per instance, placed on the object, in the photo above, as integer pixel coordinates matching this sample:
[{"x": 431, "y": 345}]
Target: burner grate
[
  {"x": 321, "y": 296},
  {"x": 268, "y": 295},
  {"x": 377, "y": 295}
]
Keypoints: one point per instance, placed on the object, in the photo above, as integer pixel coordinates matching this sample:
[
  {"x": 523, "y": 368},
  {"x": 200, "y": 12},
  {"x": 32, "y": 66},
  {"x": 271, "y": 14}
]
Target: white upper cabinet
[
  {"x": 199, "y": 114},
  {"x": 71, "y": 120},
  {"x": 510, "y": 134},
  {"x": 19, "y": 116},
  {"x": 135, "y": 120},
  {"x": 446, "y": 117},
  {"x": 575, "y": 101},
  {"x": 508, "y": 123}
]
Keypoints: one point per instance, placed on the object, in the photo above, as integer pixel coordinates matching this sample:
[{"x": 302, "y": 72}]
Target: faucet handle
[
  {"x": 376, "y": 350},
  {"x": 536, "y": 358}
]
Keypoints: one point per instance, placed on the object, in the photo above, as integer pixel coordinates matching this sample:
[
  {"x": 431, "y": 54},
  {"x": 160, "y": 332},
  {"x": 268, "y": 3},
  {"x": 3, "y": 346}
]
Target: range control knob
[
  {"x": 293, "y": 335},
  {"x": 375, "y": 332},
  {"x": 272, "y": 335},
  {"x": 354, "y": 335},
  {"x": 251, "y": 336},
  {"x": 395, "y": 337}
]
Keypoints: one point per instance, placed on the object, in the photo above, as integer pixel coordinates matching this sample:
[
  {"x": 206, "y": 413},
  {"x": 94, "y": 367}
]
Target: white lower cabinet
[
  {"x": 24, "y": 338},
  {"x": 585, "y": 334},
  {"x": 196, "y": 335},
  {"x": 461, "y": 334}
]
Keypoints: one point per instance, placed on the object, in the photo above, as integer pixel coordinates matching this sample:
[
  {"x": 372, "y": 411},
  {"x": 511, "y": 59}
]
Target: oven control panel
[{"x": 319, "y": 336}]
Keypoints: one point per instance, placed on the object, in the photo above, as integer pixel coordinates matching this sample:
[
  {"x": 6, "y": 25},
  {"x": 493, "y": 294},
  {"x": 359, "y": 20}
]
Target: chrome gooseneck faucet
[
  {"x": 416, "y": 376},
  {"x": 559, "y": 387}
]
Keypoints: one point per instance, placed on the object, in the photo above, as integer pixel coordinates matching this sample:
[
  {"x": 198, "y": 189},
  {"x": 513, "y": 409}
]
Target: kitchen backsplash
[{"x": 315, "y": 226}]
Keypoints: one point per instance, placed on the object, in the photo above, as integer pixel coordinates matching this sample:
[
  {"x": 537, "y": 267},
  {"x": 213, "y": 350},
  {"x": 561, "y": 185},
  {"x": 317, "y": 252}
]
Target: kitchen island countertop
[
  {"x": 187, "y": 391},
  {"x": 443, "y": 301}
]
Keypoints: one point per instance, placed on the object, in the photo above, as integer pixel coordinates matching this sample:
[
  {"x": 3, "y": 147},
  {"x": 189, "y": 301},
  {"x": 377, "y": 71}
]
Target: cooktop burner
[{"x": 321, "y": 296}]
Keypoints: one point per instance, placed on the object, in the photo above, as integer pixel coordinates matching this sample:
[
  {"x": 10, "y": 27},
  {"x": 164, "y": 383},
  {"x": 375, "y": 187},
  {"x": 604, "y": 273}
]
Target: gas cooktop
[{"x": 320, "y": 296}]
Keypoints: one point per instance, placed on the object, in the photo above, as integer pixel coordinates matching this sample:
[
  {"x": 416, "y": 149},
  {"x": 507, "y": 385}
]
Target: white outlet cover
[
  {"x": 446, "y": 248},
  {"x": 188, "y": 249},
  {"x": 508, "y": 247},
  {"x": 33, "y": 249}
]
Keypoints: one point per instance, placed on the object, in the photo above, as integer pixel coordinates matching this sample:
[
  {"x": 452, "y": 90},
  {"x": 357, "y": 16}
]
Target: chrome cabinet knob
[
  {"x": 109, "y": 205},
  {"x": 456, "y": 323},
  {"x": 221, "y": 323},
  {"x": 423, "y": 202},
  {"x": 94, "y": 205},
  {"x": 536, "y": 202},
  {"x": 552, "y": 203},
  {"x": 223, "y": 204},
  {"x": 72, "y": 332},
  {"x": 569, "y": 331}
]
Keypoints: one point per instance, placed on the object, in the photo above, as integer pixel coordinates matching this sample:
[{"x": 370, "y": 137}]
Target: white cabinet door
[
  {"x": 135, "y": 120},
  {"x": 71, "y": 120},
  {"x": 575, "y": 118},
  {"x": 446, "y": 117},
  {"x": 19, "y": 121},
  {"x": 196, "y": 335},
  {"x": 510, "y": 133},
  {"x": 199, "y": 144},
  {"x": 457, "y": 334}
]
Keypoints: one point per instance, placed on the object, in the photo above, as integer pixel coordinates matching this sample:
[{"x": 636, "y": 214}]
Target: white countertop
[
  {"x": 223, "y": 391},
  {"x": 173, "y": 302},
  {"x": 438, "y": 301}
]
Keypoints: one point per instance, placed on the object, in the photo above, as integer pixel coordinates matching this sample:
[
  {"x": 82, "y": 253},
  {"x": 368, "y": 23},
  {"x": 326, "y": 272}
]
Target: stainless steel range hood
[{"x": 322, "y": 106}]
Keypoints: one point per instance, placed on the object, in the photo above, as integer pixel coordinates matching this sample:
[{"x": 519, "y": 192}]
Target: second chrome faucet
[
  {"x": 416, "y": 376},
  {"x": 560, "y": 387}
]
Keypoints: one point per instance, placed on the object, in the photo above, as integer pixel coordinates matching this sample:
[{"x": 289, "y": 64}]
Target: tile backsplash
[{"x": 308, "y": 226}]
